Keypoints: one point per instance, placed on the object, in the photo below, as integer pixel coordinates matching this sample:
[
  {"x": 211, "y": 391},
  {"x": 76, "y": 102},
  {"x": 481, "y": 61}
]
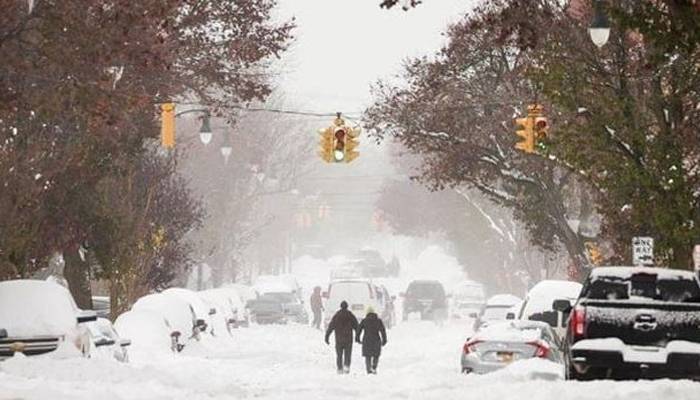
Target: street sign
[
  {"x": 642, "y": 250},
  {"x": 696, "y": 257}
]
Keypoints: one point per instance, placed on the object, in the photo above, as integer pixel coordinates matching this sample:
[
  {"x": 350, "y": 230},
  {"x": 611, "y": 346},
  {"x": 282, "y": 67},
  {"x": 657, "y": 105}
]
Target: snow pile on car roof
[
  {"x": 33, "y": 307},
  {"x": 542, "y": 295},
  {"x": 147, "y": 330},
  {"x": 510, "y": 331},
  {"x": 505, "y": 300}
]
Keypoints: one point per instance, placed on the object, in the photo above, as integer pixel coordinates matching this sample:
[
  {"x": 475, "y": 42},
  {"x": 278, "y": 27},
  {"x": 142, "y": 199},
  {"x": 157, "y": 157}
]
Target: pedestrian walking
[
  {"x": 373, "y": 339},
  {"x": 344, "y": 324},
  {"x": 316, "y": 303}
]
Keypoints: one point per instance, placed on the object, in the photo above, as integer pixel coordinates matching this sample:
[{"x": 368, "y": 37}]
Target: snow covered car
[
  {"x": 106, "y": 341},
  {"x": 288, "y": 296},
  {"x": 148, "y": 331},
  {"x": 204, "y": 313},
  {"x": 496, "y": 309},
  {"x": 38, "y": 316},
  {"x": 538, "y": 304},
  {"x": 498, "y": 344},
  {"x": 244, "y": 293},
  {"x": 426, "y": 297},
  {"x": 226, "y": 303},
  {"x": 267, "y": 309},
  {"x": 467, "y": 299},
  {"x": 634, "y": 322},
  {"x": 178, "y": 313}
]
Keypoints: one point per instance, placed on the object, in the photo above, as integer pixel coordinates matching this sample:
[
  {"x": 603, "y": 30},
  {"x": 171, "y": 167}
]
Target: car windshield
[
  {"x": 495, "y": 312},
  {"x": 426, "y": 290},
  {"x": 643, "y": 285},
  {"x": 282, "y": 297},
  {"x": 470, "y": 292}
]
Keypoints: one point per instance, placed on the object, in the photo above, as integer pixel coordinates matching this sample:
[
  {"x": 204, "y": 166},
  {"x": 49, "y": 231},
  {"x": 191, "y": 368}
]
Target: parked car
[
  {"x": 106, "y": 341},
  {"x": 371, "y": 263},
  {"x": 538, "y": 303},
  {"x": 226, "y": 302},
  {"x": 360, "y": 294},
  {"x": 148, "y": 331},
  {"x": 37, "y": 316},
  {"x": 632, "y": 322},
  {"x": 267, "y": 309},
  {"x": 178, "y": 314},
  {"x": 204, "y": 313},
  {"x": 244, "y": 293},
  {"x": 498, "y": 344},
  {"x": 426, "y": 297},
  {"x": 293, "y": 308},
  {"x": 468, "y": 298},
  {"x": 496, "y": 309},
  {"x": 101, "y": 306}
]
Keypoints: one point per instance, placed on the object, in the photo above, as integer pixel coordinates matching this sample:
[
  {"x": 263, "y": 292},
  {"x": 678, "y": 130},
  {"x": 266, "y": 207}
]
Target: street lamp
[
  {"x": 600, "y": 26},
  {"x": 205, "y": 132},
  {"x": 226, "y": 148}
]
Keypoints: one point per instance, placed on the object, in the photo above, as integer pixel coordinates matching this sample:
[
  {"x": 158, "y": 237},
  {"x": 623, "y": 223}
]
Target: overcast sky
[{"x": 343, "y": 46}]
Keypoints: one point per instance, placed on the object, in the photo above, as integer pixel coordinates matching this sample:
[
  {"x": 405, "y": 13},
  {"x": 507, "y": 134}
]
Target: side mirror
[
  {"x": 86, "y": 316},
  {"x": 212, "y": 311},
  {"x": 104, "y": 342},
  {"x": 3, "y": 333},
  {"x": 473, "y": 315},
  {"x": 510, "y": 315},
  {"x": 125, "y": 342},
  {"x": 201, "y": 324},
  {"x": 561, "y": 305}
]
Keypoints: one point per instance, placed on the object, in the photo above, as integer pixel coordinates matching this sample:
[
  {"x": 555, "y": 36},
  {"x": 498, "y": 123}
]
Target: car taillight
[
  {"x": 578, "y": 321},
  {"x": 541, "y": 348},
  {"x": 470, "y": 346}
]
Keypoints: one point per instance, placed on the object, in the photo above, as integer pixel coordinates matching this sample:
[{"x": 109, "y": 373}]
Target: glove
[
  {"x": 327, "y": 341},
  {"x": 384, "y": 343}
]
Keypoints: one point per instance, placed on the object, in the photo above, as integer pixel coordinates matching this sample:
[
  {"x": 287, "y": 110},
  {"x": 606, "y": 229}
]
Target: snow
[
  {"x": 627, "y": 272},
  {"x": 147, "y": 330},
  {"x": 173, "y": 309},
  {"x": 543, "y": 294},
  {"x": 33, "y": 307},
  {"x": 503, "y": 300},
  {"x": 510, "y": 331}
]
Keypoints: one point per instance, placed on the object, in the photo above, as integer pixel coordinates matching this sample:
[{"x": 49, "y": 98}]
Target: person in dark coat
[
  {"x": 316, "y": 307},
  {"x": 373, "y": 339},
  {"x": 344, "y": 324}
]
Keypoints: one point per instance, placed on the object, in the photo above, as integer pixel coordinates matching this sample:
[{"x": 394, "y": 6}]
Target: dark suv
[{"x": 426, "y": 297}]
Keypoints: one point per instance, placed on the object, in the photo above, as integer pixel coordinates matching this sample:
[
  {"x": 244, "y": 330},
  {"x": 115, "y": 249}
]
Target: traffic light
[
  {"x": 167, "y": 131},
  {"x": 338, "y": 142},
  {"x": 326, "y": 144},
  {"x": 525, "y": 131},
  {"x": 541, "y": 128},
  {"x": 594, "y": 254}
]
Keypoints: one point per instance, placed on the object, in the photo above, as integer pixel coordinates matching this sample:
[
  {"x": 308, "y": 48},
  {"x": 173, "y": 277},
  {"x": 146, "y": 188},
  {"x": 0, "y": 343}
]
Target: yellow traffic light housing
[
  {"x": 526, "y": 132},
  {"x": 594, "y": 254},
  {"x": 167, "y": 131},
  {"x": 338, "y": 142}
]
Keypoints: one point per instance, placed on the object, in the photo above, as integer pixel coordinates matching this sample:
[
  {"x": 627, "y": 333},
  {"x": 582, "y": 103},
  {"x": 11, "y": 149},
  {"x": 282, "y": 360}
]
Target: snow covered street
[{"x": 292, "y": 362}]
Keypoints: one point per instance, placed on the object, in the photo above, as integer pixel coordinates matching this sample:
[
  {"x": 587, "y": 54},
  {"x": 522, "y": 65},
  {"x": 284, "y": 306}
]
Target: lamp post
[{"x": 599, "y": 30}]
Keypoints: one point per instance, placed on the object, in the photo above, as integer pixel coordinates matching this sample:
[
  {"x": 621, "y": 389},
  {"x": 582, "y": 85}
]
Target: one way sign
[{"x": 642, "y": 250}]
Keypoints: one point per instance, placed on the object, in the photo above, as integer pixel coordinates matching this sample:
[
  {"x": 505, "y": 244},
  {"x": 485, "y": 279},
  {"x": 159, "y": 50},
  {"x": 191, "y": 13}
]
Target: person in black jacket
[
  {"x": 344, "y": 324},
  {"x": 372, "y": 341}
]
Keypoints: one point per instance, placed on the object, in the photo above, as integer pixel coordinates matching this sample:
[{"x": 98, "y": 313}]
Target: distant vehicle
[
  {"x": 634, "y": 322},
  {"x": 293, "y": 308},
  {"x": 538, "y": 303},
  {"x": 393, "y": 267},
  {"x": 359, "y": 293},
  {"x": 268, "y": 283},
  {"x": 500, "y": 343},
  {"x": 267, "y": 309},
  {"x": 496, "y": 309},
  {"x": 148, "y": 331},
  {"x": 468, "y": 298},
  {"x": 106, "y": 341},
  {"x": 426, "y": 297},
  {"x": 36, "y": 316},
  {"x": 371, "y": 263},
  {"x": 101, "y": 306}
]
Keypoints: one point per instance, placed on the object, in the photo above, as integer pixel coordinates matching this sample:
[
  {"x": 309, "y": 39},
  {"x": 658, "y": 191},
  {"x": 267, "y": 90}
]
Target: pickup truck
[{"x": 634, "y": 322}]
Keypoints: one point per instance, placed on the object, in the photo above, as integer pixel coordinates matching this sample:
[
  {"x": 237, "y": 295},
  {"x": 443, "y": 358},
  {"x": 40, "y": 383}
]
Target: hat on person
[
  {"x": 344, "y": 305},
  {"x": 370, "y": 310}
]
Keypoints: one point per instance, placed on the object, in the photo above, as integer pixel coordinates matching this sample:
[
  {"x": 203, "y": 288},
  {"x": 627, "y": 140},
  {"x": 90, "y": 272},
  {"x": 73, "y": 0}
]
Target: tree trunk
[{"x": 76, "y": 272}]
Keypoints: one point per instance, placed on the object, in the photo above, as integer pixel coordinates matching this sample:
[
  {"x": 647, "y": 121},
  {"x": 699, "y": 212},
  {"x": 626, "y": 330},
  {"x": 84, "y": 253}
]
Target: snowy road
[{"x": 292, "y": 362}]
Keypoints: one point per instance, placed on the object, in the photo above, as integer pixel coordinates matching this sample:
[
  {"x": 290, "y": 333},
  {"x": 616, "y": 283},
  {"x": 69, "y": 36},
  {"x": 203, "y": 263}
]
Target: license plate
[{"x": 505, "y": 357}]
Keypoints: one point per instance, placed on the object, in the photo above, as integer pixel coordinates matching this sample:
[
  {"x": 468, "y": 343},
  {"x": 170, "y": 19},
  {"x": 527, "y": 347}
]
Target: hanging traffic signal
[
  {"x": 338, "y": 142},
  {"x": 326, "y": 144},
  {"x": 167, "y": 130},
  {"x": 526, "y": 132}
]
